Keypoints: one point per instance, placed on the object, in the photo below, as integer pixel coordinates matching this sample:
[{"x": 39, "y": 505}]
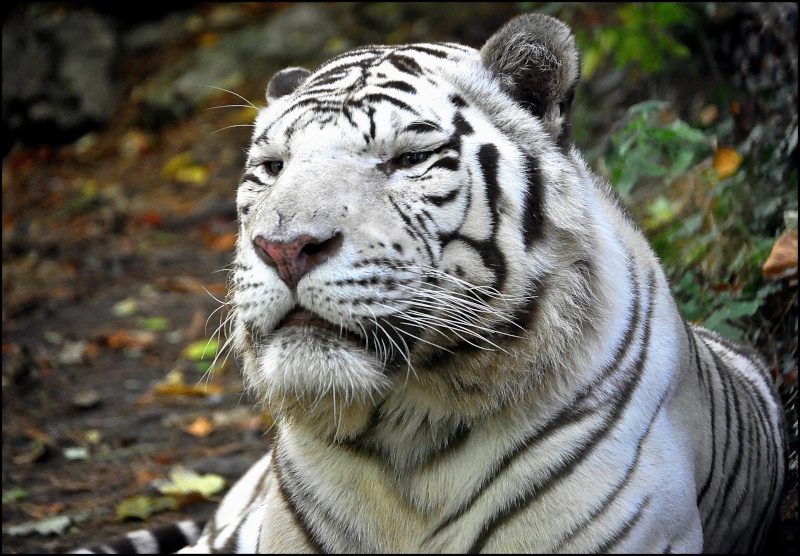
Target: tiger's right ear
[
  {"x": 285, "y": 82},
  {"x": 536, "y": 60}
]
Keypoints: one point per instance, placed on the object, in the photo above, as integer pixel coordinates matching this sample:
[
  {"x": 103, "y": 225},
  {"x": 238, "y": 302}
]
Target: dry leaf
[
  {"x": 225, "y": 242},
  {"x": 130, "y": 339},
  {"x": 726, "y": 162},
  {"x": 174, "y": 385},
  {"x": 200, "y": 427},
  {"x": 782, "y": 261},
  {"x": 184, "y": 481}
]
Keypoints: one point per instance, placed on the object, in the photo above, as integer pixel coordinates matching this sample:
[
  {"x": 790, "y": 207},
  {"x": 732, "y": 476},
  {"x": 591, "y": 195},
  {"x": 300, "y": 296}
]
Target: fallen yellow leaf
[
  {"x": 726, "y": 162},
  {"x": 184, "y": 481},
  {"x": 174, "y": 385},
  {"x": 200, "y": 427},
  {"x": 193, "y": 175},
  {"x": 182, "y": 160}
]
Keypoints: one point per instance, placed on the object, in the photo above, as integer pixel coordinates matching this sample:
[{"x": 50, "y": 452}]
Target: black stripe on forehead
[{"x": 425, "y": 126}]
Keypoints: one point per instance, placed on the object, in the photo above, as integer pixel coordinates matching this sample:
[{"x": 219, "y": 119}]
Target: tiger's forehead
[{"x": 368, "y": 92}]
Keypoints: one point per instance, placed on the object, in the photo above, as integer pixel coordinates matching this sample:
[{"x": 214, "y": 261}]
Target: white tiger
[{"x": 467, "y": 344}]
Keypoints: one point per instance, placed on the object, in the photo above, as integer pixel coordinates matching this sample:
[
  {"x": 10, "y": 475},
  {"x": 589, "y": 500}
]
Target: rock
[
  {"x": 56, "y": 73},
  {"x": 298, "y": 32}
]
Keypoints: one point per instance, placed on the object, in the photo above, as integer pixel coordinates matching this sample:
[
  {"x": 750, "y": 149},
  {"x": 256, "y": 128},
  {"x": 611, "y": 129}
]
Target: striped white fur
[{"x": 466, "y": 343}]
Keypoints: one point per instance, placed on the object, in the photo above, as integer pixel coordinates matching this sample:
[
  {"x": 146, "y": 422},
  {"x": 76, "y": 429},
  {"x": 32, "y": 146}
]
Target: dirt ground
[{"x": 113, "y": 263}]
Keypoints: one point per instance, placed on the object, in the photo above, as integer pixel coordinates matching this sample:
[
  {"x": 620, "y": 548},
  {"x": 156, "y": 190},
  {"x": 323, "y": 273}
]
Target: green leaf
[
  {"x": 185, "y": 481},
  {"x": 55, "y": 525},
  {"x": 200, "y": 350},
  {"x": 155, "y": 324},
  {"x": 144, "y": 507},
  {"x": 14, "y": 495}
]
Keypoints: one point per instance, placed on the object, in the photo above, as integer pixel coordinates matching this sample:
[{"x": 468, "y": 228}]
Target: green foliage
[
  {"x": 649, "y": 147},
  {"x": 643, "y": 38},
  {"x": 711, "y": 233},
  {"x": 638, "y": 35}
]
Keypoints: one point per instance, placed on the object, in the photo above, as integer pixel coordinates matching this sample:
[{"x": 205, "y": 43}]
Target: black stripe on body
[
  {"x": 604, "y": 505},
  {"x": 165, "y": 539},
  {"x": 729, "y": 474},
  {"x": 620, "y": 535},
  {"x": 299, "y": 517},
  {"x": 759, "y": 442},
  {"x": 566, "y": 415},
  {"x": 619, "y": 403},
  {"x": 726, "y": 430},
  {"x": 296, "y": 489}
]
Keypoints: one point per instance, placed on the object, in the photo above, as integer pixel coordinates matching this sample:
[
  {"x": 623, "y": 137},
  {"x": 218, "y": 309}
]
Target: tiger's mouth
[{"x": 301, "y": 317}]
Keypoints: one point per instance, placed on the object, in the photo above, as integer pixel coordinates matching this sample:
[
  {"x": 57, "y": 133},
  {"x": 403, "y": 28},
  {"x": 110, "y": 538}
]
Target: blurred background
[{"x": 123, "y": 138}]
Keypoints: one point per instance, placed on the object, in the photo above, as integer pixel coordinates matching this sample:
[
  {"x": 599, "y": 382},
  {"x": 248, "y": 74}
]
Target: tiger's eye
[
  {"x": 274, "y": 167},
  {"x": 407, "y": 160}
]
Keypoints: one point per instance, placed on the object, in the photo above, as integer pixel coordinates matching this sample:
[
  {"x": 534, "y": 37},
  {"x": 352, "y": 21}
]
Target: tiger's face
[{"x": 386, "y": 228}]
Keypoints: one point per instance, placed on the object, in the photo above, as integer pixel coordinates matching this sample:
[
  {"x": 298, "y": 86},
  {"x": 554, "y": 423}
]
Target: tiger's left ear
[
  {"x": 285, "y": 82},
  {"x": 536, "y": 59}
]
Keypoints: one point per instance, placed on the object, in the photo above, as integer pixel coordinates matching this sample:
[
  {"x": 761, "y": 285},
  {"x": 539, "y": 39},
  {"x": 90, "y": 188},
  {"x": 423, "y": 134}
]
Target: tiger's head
[{"x": 408, "y": 228}]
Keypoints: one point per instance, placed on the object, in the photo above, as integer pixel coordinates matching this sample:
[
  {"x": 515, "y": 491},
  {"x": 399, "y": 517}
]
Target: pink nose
[{"x": 294, "y": 259}]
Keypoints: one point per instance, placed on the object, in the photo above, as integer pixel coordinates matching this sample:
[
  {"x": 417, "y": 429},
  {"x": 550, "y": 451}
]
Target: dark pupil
[
  {"x": 410, "y": 159},
  {"x": 274, "y": 166}
]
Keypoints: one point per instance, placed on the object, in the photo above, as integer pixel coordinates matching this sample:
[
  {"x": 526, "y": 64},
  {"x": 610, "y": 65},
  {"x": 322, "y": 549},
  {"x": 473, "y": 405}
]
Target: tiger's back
[{"x": 467, "y": 344}]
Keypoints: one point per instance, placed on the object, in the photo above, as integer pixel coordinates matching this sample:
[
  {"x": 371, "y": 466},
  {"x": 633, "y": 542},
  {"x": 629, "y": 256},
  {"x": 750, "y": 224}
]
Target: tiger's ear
[
  {"x": 285, "y": 82},
  {"x": 537, "y": 62}
]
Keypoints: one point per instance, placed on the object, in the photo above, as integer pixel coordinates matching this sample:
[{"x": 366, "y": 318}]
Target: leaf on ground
[
  {"x": 200, "y": 427},
  {"x": 14, "y": 495},
  {"x": 175, "y": 163},
  {"x": 192, "y": 175},
  {"x": 34, "y": 451},
  {"x": 174, "y": 385},
  {"x": 144, "y": 507},
  {"x": 55, "y": 525},
  {"x": 782, "y": 261},
  {"x": 200, "y": 350},
  {"x": 87, "y": 398},
  {"x": 726, "y": 162},
  {"x": 72, "y": 353},
  {"x": 183, "y": 481},
  {"x": 124, "y": 308},
  {"x": 76, "y": 453},
  {"x": 130, "y": 339},
  {"x": 155, "y": 324}
]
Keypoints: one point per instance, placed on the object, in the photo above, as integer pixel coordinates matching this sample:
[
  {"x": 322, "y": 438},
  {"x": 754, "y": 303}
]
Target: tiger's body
[{"x": 467, "y": 344}]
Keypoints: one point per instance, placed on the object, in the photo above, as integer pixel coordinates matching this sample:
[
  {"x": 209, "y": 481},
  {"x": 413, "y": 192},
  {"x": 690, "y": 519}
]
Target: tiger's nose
[{"x": 294, "y": 259}]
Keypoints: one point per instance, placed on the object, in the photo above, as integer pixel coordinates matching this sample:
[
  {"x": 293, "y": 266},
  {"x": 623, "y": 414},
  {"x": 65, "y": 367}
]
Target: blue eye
[
  {"x": 274, "y": 167},
  {"x": 407, "y": 160}
]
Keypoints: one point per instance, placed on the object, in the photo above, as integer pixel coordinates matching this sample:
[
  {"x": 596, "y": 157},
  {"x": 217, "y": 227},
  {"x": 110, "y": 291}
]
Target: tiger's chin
[{"x": 318, "y": 379}]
